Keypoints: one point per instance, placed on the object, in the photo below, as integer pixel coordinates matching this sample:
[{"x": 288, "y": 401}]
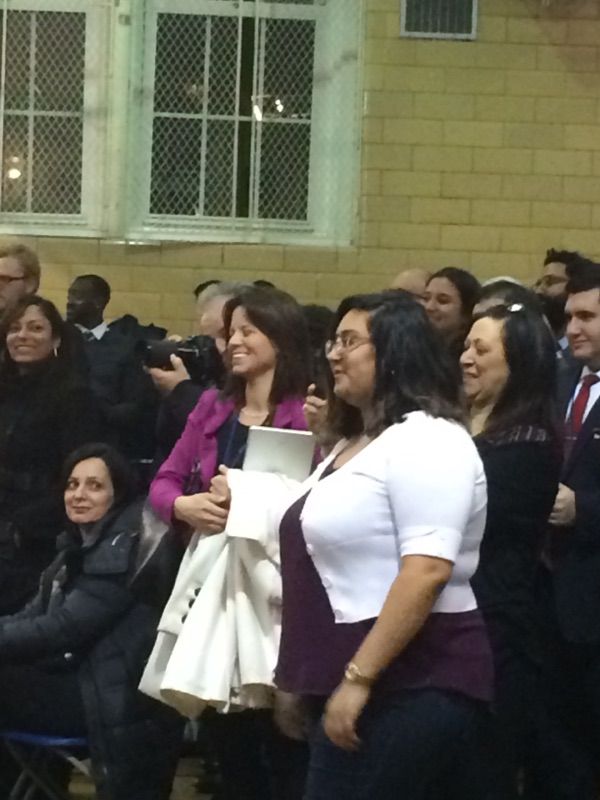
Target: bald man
[{"x": 412, "y": 280}]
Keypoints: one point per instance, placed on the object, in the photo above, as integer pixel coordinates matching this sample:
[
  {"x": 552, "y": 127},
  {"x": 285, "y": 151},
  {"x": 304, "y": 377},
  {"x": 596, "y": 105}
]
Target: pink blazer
[{"x": 198, "y": 446}]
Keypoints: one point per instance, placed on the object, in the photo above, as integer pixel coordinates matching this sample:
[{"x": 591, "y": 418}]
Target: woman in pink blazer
[{"x": 268, "y": 357}]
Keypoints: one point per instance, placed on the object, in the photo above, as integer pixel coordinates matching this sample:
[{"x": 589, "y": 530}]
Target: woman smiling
[
  {"x": 46, "y": 410},
  {"x": 509, "y": 371},
  {"x": 268, "y": 359},
  {"x": 71, "y": 660}
]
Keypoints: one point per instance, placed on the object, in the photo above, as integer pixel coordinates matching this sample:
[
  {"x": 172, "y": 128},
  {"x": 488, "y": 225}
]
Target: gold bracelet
[{"x": 353, "y": 674}]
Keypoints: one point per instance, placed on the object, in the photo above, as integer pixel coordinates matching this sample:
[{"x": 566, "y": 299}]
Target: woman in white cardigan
[{"x": 380, "y": 626}]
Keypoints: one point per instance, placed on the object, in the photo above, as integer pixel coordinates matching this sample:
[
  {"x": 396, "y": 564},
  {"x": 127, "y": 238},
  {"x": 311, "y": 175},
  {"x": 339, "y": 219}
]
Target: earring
[{"x": 55, "y": 352}]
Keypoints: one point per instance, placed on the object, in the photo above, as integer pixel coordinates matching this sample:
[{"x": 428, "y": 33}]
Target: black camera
[{"x": 198, "y": 353}]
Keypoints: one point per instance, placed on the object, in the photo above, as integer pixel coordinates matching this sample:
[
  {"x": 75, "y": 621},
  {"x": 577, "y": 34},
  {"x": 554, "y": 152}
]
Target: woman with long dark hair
[
  {"x": 46, "y": 410},
  {"x": 268, "y": 358},
  {"x": 509, "y": 376},
  {"x": 450, "y": 296},
  {"x": 379, "y": 624}
]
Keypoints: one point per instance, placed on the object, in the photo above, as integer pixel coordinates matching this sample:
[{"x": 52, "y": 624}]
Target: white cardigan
[
  {"x": 218, "y": 638},
  {"x": 419, "y": 488}
]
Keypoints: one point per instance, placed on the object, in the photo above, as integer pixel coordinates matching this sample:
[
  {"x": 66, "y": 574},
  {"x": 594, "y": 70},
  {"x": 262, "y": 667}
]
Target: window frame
[
  {"x": 87, "y": 222},
  {"x": 324, "y": 226},
  {"x": 463, "y": 37},
  {"x": 119, "y": 85}
]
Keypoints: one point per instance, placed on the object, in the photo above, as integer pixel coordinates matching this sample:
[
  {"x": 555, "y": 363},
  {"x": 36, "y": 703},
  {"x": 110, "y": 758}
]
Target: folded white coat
[{"x": 218, "y": 637}]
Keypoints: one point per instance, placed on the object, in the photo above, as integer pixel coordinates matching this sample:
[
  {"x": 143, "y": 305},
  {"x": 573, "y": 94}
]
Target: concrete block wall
[{"x": 479, "y": 154}]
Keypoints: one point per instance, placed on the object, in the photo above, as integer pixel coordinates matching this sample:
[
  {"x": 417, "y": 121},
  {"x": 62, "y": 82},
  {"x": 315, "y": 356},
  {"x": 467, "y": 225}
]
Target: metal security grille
[
  {"x": 443, "y": 19},
  {"x": 232, "y": 111},
  {"x": 235, "y": 120},
  {"x": 41, "y": 119}
]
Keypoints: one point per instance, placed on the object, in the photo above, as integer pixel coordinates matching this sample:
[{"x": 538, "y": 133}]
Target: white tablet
[{"x": 286, "y": 452}]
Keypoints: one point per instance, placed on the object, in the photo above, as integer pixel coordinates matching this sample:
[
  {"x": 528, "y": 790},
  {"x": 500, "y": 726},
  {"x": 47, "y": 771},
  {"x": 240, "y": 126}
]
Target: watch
[{"x": 353, "y": 674}]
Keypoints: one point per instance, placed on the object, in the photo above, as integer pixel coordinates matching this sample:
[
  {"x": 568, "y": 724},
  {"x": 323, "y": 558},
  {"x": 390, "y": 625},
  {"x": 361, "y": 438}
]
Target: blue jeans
[{"x": 415, "y": 745}]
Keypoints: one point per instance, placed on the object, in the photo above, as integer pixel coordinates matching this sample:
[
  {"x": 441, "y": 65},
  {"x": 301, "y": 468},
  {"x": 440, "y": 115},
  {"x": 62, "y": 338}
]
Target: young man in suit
[{"x": 571, "y": 735}]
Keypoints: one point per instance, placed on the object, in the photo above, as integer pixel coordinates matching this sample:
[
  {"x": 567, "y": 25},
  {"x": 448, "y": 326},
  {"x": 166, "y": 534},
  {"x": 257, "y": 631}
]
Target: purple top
[
  {"x": 197, "y": 447},
  {"x": 451, "y": 651}
]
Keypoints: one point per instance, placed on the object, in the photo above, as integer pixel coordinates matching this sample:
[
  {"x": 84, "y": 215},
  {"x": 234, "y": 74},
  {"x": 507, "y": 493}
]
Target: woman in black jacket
[
  {"x": 71, "y": 660},
  {"x": 509, "y": 372},
  {"x": 46, "y": 410}
]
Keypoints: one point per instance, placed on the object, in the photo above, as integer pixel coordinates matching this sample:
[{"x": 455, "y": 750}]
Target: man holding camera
[{"x": 181, "y": 384}]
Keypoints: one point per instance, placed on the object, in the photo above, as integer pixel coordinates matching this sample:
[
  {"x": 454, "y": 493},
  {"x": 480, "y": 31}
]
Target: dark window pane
[
  {"x": 14, "y": 164},
  {"x": 59, "y": 61},
  {"x": 18, "y": 42},
  {"x": 439, "y": 16},
  {"x": 288, "y": 76},
  {"x": 176, "y": 162},
  {"x": 218, "y": 185},
  {"x": 57, "y": 163},
  {"x": 284, "y": 171},
  {"x": 179, "y": 70},
  {"x": 223, "y": 65}
]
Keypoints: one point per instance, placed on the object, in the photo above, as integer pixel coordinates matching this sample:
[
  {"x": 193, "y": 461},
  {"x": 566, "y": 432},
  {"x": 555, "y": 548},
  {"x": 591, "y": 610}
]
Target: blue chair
[{"x": 33, "y": 752}]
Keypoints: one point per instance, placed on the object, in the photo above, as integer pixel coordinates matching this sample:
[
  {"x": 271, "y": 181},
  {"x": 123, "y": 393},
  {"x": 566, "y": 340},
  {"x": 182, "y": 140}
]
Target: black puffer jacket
[
  {"x": 85, "y": 617},
  {"x": 44, "y": 415}
]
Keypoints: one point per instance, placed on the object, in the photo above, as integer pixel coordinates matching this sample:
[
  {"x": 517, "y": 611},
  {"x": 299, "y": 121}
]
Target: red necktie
[{"x": 580, "y": 403}]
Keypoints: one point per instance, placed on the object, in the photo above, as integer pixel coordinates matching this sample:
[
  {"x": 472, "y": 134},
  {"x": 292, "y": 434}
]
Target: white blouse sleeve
[{"x": 430, "y": 475}]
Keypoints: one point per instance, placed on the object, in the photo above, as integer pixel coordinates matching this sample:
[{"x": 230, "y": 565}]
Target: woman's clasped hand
[{"x": 205, "y": 512}]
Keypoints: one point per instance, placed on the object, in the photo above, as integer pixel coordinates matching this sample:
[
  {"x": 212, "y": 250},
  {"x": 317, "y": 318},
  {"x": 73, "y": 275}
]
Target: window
[
  {"x": 44, "y": 129},
  {"x": 439, "y": 19},
  {"x": 241, "y": 119}
]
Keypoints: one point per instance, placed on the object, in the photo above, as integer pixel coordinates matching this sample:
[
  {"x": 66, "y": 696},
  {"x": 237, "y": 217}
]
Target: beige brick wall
[{"x": 480, "y": 154}]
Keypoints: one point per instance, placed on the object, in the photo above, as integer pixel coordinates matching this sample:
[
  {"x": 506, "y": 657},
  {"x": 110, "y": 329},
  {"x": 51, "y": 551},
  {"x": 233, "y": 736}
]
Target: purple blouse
[{"x": 451, "y": 651}]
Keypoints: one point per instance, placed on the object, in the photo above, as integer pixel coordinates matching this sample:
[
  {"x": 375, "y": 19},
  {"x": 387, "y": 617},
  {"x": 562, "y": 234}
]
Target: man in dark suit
[
  {"x": 573, "y": 558},
  {"x": 124, "y": 391}
]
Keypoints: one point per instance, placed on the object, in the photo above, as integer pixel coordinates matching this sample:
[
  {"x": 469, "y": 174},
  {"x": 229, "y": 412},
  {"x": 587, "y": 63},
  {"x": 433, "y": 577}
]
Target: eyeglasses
[
  {"x": 5, "y": 280},
  {"x": 346, "y": 342}
]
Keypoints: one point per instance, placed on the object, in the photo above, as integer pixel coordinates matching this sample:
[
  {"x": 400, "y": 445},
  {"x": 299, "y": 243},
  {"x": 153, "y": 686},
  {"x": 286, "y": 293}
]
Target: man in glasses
[
  {"x": 552, "y": 291},
  {"x": 19, "y": 273}
]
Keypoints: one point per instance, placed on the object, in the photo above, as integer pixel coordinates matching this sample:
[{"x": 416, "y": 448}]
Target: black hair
[
  {"x": 320, "y": 321},
  {"x": 279, "y": 316},
  {"x": 528, "y": 398},
  {"x": 60, "y": 330},
  {"x": 582, "y": 275},
  {"x": 508, "y": 293},
  {"x": 413, "y": 370},
  {"x": 465, "y": 283},
  {"x": 263, "y": 284},
  {"x": 120, "y": 470},
  {"x": 100, "y": 287},
  {"x": 204, "y": 285},
  {"x": 565, "y": 257}
]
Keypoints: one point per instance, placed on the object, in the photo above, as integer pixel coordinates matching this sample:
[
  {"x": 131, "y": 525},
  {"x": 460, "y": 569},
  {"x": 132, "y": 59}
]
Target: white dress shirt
[{"x": 97, "y": 332}]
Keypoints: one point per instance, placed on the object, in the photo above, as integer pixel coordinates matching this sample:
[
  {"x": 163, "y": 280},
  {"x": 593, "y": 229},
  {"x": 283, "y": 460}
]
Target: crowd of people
[{"x": 420, "y": 618}]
